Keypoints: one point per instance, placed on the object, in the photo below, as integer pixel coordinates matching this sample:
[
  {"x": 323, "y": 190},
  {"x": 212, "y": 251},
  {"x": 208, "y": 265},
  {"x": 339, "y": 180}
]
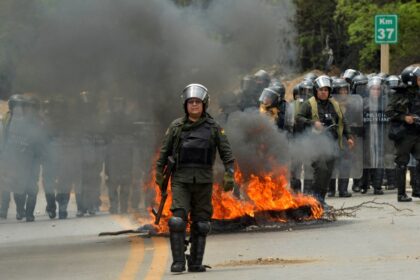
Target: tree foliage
[{"x": 351, "y": 27}]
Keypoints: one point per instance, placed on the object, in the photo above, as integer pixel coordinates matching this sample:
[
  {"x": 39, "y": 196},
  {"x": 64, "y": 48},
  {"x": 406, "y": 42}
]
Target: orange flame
[{"x": 266, "y": 192}]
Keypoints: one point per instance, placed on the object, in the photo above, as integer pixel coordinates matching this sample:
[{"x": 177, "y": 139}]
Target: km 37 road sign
[{"x": 386, "y": 29}]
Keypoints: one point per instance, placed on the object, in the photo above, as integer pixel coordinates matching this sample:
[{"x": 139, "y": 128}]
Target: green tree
[
  {"x": 314, "y": 21},
  {"x": 357, "y": 17}
]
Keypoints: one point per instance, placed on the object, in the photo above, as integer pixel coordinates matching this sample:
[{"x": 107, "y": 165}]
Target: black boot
[
  {"x": 20, "y": 205},
  {"x": 81, "y": 204},
  {"x": 63, "y": 201},
  {"x": 377, "y": 175},
  {"x": 51, "y": 206},
  {"x": 5, "y": 202},
  {"x": 177, "y": 237},
  {"x": 30, "y": 205},
  {"x": 400, "y": 171},
  {"x": 342, "y": 188},
  {"x": 199, "y": 231},
  {"x": 390, "y": 176},
  {"x": 356, "y": 185},
  {"x": 364, "y": 181},
  {"x": 415, "y": 181},
  {"x": 331, "y": 188}
]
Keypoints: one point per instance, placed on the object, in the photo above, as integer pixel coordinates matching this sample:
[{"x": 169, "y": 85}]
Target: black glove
[{"x": 228, "y": 180}]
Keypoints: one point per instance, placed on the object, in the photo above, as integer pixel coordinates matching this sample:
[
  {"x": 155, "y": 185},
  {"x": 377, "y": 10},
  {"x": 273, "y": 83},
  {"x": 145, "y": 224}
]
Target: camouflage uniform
[{"x": 192, "y": 183}]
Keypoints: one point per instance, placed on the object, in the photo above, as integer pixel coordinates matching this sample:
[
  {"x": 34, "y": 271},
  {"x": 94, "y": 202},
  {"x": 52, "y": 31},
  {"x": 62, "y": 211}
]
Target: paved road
[{"x": 377, "y": 244}]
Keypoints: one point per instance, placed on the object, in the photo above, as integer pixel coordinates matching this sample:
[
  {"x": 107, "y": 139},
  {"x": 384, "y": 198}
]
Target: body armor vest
[{"x": 196, "y": 147}]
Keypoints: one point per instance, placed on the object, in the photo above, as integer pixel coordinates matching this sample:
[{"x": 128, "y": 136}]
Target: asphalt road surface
[{"x": 379, "y": 243}]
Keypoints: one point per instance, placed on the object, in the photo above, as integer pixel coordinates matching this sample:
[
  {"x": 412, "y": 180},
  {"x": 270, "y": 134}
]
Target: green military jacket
[
  {"x": 306, "y": 116},
  {"x": 194, "y": 174}
]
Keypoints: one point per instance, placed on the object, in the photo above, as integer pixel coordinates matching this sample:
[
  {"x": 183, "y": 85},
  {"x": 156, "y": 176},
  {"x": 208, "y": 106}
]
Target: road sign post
[{"x": 386, "y": 32}]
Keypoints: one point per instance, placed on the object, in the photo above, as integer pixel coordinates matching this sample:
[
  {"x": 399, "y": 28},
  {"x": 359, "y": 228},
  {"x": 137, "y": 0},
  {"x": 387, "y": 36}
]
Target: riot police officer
[
  {"x": 358, "y": 85},
  {"x": 349, "y": 74},
  {"x": 404, "y": 111},
  {"x": 341, "y": 90},
  {"x": 304, "y": 91},
  {"x": 375, "y": 125},
  {"x": 324, "y": 115},
  {"x": 61, "y": 167},
  {"x": 23, "y": 149},
  {"x": 273, "y": 104},
  {"x": 192, "y": 141},
  {"x": 393, "y": 82}
]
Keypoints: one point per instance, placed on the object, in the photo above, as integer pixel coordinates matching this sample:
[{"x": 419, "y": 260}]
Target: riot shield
[
  {"x": 378, "y": 148},
  {"x": 350, "y": 162}
]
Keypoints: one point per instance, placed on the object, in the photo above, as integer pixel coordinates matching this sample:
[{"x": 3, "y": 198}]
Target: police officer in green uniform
[
  {"x": 325, "y": 116},
  {"x": 404, "y": 111},
  {"x": 192, "y": 141}
]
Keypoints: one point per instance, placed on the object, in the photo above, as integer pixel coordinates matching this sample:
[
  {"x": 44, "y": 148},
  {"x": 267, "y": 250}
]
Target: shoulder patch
[
  {"x": 222, "y": 131},
  {"x": 178, "y": 122}
]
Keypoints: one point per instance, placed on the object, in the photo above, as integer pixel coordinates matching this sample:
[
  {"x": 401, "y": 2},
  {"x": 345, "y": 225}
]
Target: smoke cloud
[
  {"x": 260, "y": 147},
  {"x": 145, "y": 52}
]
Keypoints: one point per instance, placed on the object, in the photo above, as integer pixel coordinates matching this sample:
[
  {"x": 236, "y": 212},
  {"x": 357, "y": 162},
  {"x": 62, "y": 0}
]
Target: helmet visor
[
  {"x": 268, "y": 97},
  {"x": 416, "y": 72},
  {"x": 375, "y": 81},
  {"x": 323, "y": 81},
  {"x": 195, "y": 91}
]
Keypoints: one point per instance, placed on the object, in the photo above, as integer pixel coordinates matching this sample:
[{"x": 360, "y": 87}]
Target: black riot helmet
[
  {"x": 349, "y": 74},
  {"x": 409, "y": 75},
  {"x": 196, "y": 91},
  {"x": 339, "y": 84},
  {"x": 262, "y": 78},
  {"x": 16, "y": 100},
  {"x": 280, "y": 89},
  {"x": 323, "y": 81},
  {"x": 310, "y": 76},
  {"x": 393, "y": 82},
  {"x": 306, "y": 89},
  {"x": 270, "y": 97},
  {"x": 358, "y": 84},
  {"x": 248, "y": 83}
]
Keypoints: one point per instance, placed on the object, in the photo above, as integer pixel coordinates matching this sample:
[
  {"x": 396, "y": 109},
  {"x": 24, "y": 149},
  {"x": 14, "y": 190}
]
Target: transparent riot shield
[
  {"x": 349, "y": 163},
  {"x": 378, "y": 148}
]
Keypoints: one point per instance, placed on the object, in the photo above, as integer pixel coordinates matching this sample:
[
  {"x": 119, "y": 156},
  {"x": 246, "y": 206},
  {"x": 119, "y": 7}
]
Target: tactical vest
[
  {"x": 315, "y": 116},
  {"x": 196, "y": 147}
]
